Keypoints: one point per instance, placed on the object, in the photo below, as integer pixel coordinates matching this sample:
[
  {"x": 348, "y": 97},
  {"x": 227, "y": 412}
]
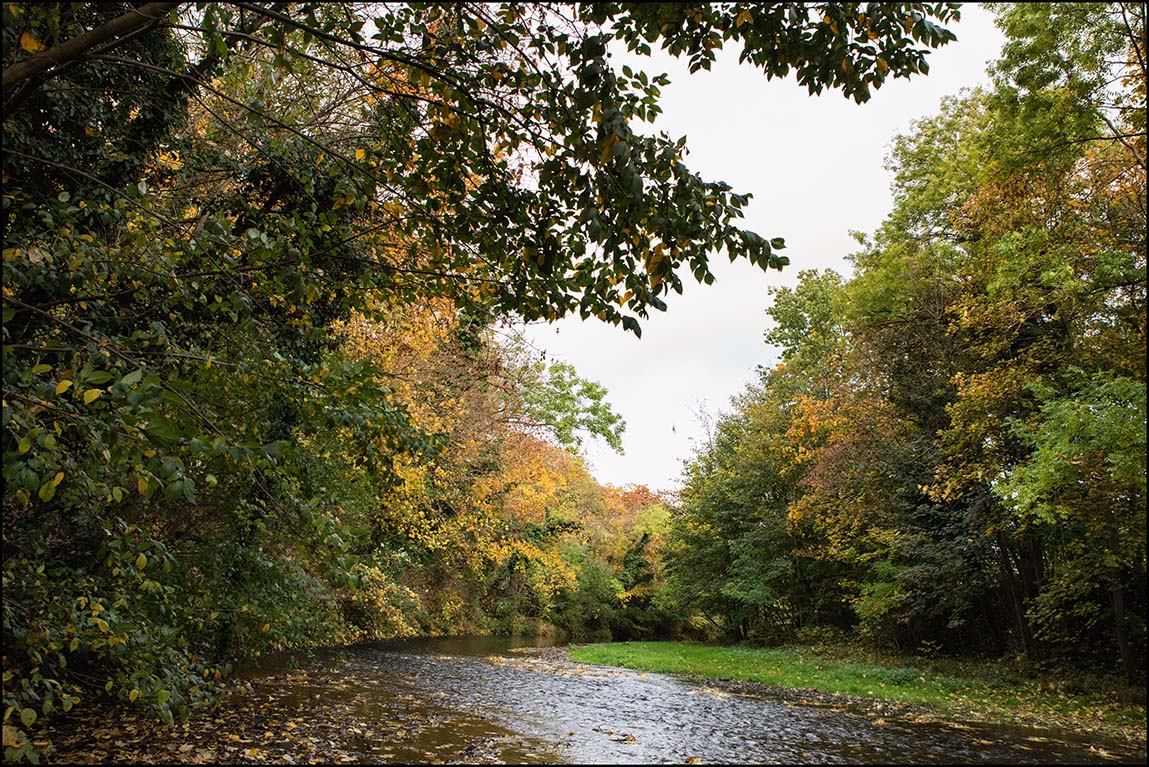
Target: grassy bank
[{"x": 979, "y": 692}]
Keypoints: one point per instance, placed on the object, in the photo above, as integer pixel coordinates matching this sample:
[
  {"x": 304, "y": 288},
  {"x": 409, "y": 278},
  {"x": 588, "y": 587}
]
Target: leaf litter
[{"x": 289, "y": 718}]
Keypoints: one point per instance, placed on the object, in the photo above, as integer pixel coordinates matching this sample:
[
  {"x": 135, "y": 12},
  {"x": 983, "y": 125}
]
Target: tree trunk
[
  {"x": 21, "y": 78},
  {"x": 1013, "y": 589},
  {"x": 1128, "y": 662}
]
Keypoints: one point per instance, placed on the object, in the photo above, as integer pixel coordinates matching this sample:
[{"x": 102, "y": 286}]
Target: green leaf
[
  {"x": 174, "y": 490},
  {"x": 28, "y": 716},
  {"x": 163, "y": 428}
]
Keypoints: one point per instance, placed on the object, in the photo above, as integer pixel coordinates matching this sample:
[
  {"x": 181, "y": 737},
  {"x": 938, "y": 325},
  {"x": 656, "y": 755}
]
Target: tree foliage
[{"x": 959, "y": 428}]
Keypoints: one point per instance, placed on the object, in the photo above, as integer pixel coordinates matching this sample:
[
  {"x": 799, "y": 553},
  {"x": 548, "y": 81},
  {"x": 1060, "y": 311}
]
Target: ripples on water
[{"x": 471, "y": 700}]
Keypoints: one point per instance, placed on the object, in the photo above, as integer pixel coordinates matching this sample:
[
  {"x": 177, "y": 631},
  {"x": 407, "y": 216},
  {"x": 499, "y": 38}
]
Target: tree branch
[{"x": 33, "y": 69}]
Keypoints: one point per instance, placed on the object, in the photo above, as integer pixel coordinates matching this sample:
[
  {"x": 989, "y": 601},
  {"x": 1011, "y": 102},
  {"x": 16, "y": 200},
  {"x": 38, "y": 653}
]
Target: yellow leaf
[
  {"x": 101, "y": 624},
  {"x": 141, "y": 485},
  {"x": 91, "y": 395},
  {"x": 266, "y": 627},
  {"x": 62, "y": 387},
  {"x": 31, "y": 43},
  {"x": 133, "y": 695},
  {"x": 742, "y": 18},
  {"x": 11, "y": 739},
  {"x": 608, "y": 146},
  {"x": 56, "y": 480},
  {"x": 142, "y": 561},
  {"x": 360, "y": 154}
]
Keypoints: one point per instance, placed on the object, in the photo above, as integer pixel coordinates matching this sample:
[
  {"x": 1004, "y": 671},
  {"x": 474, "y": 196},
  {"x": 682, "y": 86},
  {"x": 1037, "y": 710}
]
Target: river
[{"x": 480, "y": 700}]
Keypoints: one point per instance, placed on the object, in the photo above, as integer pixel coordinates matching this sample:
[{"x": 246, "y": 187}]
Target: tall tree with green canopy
[
  {"x": 1052, "y": 305},
  {"x": 739, "y": 553}
]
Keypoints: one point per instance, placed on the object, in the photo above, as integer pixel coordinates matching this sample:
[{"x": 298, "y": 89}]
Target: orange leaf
[{"x": 31, "y": 43}]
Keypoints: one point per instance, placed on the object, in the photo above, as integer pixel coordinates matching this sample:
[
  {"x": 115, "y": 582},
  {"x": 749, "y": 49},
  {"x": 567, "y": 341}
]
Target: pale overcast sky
[{"x": 815, "y": 168}]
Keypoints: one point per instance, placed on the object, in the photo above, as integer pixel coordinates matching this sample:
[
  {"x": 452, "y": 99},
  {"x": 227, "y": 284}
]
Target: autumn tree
[{"x": 966, "y": 419}]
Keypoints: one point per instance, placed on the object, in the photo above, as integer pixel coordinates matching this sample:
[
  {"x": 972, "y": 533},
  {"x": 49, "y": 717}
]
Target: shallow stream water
[{"x": 479, "y": 700}]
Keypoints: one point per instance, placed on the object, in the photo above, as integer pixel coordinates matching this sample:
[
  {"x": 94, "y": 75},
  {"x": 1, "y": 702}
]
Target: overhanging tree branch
[{"x": 18, "y": 79}]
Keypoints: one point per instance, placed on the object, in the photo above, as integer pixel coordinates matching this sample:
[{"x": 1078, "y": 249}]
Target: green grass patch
[
  {"x": 791, "y": 667},
  {"x": 983, "y": 692}
]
